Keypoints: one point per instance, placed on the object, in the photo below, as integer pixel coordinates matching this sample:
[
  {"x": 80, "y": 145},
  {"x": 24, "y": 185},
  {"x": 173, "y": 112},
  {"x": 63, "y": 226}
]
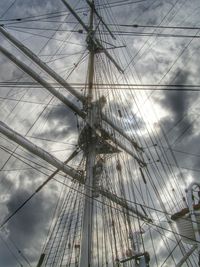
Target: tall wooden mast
[
  {"x": 85, "y": 258},
  {"x": 91, "y": 134}
]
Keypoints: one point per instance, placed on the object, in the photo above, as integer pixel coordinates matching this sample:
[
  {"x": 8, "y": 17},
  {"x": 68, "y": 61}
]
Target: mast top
[{"x": 96, "y": 42}]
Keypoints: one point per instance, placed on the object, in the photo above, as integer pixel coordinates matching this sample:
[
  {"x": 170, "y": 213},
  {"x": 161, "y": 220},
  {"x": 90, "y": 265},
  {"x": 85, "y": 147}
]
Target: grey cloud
[
  {"x": 29, "y": 8},
  {"x": 61, "y": 124},
  {"x": 30, "y": 224},
  {"x": 178, "y": 106}
]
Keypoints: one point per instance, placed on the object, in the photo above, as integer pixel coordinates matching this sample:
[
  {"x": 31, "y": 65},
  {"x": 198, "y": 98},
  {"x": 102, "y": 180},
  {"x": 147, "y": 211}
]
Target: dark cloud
[
  {"x": 29, "y": 225},
  {"x": 62, "y": 123},
  {"x": 177, "y": 104},
  {"x": 7, "y": 70},
  {"x": 33, "y": 214}
]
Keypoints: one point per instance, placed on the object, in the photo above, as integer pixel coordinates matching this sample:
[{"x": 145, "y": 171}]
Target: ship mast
[
  {"x": 85, "y": 258},
  {"x": 96, "y": 139},
  {"x": 89, "y": 140}
]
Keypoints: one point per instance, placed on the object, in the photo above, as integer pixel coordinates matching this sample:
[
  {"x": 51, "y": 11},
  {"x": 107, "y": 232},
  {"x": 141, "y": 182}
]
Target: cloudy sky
[{"x": 162, "y": 57}]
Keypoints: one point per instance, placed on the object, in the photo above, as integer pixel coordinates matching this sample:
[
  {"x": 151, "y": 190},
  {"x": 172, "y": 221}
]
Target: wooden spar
[
  {"x": 61, "y": 81},
  {"x": 40, "y": 63},
  {"x": 36, "y": 150},
  {"x": 63, "y": 98},
  {"x": 122, "y": 203},
  {"x": 120, "y": 131},
  {"x": 22, "y": 141},
  {"x": 41, "y": 81},
  {"x": 186, "y": 256}
]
